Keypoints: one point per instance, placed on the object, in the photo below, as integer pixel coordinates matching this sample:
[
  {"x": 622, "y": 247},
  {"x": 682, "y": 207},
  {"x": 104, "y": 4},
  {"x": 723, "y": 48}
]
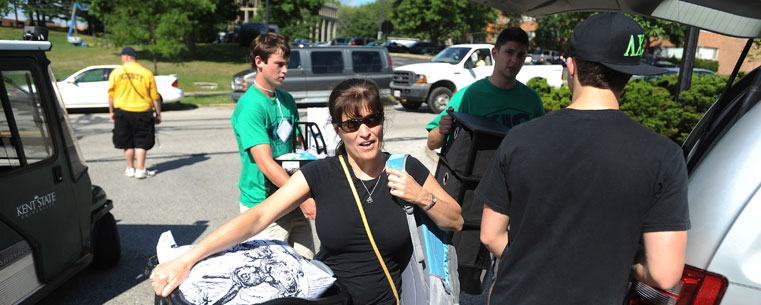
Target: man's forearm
[
  {"x": 662, "y": 261},
  {"x": 263, "y": 158},
  {"x": 157, "y": 107},
  {"x": 110, "y": 105},
  {"x": 435, "y": 139},
  {"x": 274, "y": 173}
]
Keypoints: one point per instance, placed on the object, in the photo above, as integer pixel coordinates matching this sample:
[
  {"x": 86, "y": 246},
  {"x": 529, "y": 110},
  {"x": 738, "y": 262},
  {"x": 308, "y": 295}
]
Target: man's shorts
[{"x": 134, "y": 129}]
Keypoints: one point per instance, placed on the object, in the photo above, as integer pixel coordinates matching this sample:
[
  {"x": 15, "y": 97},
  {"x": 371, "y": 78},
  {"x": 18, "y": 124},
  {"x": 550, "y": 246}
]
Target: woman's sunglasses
[{"x": 352, "y": 125}]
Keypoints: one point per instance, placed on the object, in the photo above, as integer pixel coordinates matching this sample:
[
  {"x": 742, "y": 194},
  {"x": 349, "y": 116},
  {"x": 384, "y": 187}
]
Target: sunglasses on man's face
[{"x": 351, "y": 125}]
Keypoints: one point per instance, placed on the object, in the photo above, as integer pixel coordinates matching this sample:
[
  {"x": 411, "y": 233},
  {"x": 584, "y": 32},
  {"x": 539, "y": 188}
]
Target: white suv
[{"x": 723, "y": 156}]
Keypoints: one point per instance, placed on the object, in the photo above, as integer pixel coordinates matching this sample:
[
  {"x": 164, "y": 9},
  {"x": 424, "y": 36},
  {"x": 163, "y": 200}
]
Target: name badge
[{"x": 284, "y": 130}]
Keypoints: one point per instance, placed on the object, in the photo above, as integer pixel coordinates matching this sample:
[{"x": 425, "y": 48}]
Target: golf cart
[{"x": 53, "y": 221}]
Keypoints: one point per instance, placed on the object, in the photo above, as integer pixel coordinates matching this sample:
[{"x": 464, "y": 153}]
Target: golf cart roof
[{"x": 739, "y": 18}]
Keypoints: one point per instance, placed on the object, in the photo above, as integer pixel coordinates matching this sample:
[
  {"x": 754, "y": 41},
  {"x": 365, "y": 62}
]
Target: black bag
[{"x": 463, "y": 160}]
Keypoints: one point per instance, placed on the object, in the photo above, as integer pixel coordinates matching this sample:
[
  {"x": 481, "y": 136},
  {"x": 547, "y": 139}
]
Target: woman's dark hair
[
  {"x": 596, "y": 75},
  {"x": 350, "y": 97}
]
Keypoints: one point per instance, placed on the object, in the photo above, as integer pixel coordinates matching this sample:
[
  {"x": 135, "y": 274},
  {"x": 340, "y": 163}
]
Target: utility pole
[
  {"x": 380, "y": 21},
  {"x": 267, "y": 17}
]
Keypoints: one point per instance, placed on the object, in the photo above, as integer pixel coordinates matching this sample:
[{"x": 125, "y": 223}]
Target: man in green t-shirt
[
  {"x": 263, "y": 121},
  {"x": 499, "y": 96}
]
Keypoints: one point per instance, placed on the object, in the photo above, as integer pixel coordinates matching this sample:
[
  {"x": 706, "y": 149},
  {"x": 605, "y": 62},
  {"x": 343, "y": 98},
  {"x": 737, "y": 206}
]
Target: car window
[
  {"x": 486, "y": 56},
  {"x": 451, "y": 55},
  {"x": 24, "y": 132},
  {"x": 295, "y": 61},
  {"x": 76, "y": 158},
  {"x": 94, "y": 75},
  {"x": 324, "y": 62},
  {"x": 366, "y": 61}
]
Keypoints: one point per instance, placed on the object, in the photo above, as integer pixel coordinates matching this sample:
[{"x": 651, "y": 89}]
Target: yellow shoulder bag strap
[{"x": 367, "y": 228}]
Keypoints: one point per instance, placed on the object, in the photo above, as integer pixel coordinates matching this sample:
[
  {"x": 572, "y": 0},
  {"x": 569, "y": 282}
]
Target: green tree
[
  {"x": 161, "y": 27},
  {"x": 475, "y": 19},
  {"x": 555, "y": 30},
  {"x": 288, "y": 15},
  {"x": 40, "y": 12},
  {"x": 344, "y": 23},
  {"x": 5, "y": 6},
  {"x": 211, "y": 22},
  {"x": 363, "y": 20},
  {"x": 438, "y": 20}
]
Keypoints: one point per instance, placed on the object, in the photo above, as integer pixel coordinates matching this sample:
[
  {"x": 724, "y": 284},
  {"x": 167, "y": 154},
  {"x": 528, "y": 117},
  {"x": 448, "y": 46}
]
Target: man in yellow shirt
[{"x": 132, "y": 99}]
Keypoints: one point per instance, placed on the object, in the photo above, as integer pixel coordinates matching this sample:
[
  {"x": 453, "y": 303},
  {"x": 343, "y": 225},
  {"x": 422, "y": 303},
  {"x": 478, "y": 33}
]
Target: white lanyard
[{"x": 282, "y": 117}]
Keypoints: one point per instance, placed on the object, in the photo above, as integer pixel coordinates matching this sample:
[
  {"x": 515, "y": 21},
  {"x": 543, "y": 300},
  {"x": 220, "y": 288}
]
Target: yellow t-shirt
[{"x": 137, "y": 96}]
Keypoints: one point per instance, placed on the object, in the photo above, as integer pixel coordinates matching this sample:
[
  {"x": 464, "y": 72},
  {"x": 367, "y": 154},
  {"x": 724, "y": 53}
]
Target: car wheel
[
  {"x": 107, "y": 246},
  {"x": 411, "y": 105},
  {"x": 439, "y": 99}
]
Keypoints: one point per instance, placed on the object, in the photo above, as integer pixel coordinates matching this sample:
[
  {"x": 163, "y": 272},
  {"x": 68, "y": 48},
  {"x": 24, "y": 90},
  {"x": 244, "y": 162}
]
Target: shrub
[
  {"x": 652, "y": 102},
  {"x": 707, "y": 64},
  {"x": 553, "y": 99}
]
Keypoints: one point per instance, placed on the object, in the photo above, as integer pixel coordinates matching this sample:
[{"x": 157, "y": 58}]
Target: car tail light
[
  {"x": 390, "y": 63},
  {"x": 354, "y": 43},
  {"x": 697, "y": 287},
  {"x": 174, "y": 83}
]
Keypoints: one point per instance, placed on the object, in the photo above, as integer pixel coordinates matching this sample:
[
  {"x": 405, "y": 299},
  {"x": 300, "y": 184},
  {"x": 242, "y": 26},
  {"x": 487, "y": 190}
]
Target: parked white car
[{"x": 88, "y": 88}]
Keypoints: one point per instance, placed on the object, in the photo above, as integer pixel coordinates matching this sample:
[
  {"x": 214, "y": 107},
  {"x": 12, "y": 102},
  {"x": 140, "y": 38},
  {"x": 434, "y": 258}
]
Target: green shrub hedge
[
  {"x": 651, "y": 102},
  {"x": 707, "y": 64}
]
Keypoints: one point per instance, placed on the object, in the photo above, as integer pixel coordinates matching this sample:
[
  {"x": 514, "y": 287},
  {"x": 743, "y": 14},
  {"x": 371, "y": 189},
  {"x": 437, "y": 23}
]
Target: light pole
[
  {"x": 380, "y": 21},
  {"x": 267, "y": 17}
]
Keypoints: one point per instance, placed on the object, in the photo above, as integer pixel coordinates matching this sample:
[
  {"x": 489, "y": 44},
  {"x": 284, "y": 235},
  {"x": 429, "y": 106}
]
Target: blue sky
[{"x": 355, "y": 2}]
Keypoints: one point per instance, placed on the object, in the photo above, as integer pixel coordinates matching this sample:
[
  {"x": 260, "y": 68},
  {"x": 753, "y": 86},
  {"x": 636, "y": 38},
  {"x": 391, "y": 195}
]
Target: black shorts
[{"x": 134, "y": 129}]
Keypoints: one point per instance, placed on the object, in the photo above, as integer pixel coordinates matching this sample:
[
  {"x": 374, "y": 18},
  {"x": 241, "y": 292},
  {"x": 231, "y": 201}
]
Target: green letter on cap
[{"x": 635, "y": 49}]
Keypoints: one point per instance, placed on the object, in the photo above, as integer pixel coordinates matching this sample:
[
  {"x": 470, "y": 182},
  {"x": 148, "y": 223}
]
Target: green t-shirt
[
  {"x": 509, "y": 107},
  {"x": 255, "y": 121}
]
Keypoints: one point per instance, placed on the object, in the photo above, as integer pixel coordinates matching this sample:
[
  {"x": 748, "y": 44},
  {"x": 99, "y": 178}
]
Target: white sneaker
[
  {"x": 130, "y": 172},
  {"x": 141, "y": 174}
]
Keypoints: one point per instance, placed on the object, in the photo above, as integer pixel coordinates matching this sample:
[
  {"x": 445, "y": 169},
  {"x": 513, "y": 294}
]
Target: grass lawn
[
  {"x": 207, "y": 99},
  {"x": 214, "y": 63}
]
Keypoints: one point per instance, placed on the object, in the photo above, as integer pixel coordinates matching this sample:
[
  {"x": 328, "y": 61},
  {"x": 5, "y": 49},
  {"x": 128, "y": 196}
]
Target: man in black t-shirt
[{"x": 590, "y": 195}]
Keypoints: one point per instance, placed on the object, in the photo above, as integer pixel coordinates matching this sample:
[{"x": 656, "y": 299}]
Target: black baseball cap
[
  {"x": 128, "y": 51},
  {"x": 613, "y": 40}
]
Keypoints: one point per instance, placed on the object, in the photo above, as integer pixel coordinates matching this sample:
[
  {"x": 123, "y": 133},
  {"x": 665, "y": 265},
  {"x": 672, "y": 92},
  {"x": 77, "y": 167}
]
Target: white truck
[{"x": 455, "y": 68}]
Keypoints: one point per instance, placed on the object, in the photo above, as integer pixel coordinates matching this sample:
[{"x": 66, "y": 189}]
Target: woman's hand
[
  {"x": 447, "y": 213},
  {"x": 167, "y": 276},
  {"x": 402, "y": 185}
]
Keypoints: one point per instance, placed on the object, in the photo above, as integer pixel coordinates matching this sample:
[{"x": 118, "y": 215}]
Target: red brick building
[{"x": 724, "y": 49}]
